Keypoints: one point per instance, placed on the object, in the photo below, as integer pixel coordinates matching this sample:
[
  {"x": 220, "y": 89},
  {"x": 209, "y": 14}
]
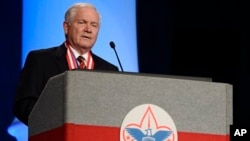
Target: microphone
[{"x": 112, "y": 45}]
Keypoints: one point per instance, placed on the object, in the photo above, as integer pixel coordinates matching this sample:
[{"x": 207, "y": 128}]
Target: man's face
[{"x": 82, "y": 30}]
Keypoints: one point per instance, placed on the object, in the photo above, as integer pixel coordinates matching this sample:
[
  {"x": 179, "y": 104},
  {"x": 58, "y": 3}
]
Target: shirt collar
[{"x": 76, "y": 54}]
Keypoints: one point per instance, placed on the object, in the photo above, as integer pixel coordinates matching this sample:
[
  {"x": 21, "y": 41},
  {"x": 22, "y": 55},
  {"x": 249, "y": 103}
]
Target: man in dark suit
[{"x": 81, "y": 27}]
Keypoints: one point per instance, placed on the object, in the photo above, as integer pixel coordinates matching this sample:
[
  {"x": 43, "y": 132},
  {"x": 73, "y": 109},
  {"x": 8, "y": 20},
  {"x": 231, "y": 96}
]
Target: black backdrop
[
  {"x": 203, "y": 38},
  {"x": 10, "y": 61}
]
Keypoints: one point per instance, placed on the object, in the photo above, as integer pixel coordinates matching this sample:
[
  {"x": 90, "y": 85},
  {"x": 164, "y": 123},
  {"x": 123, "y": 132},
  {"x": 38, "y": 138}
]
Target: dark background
[{"x": 203, "y": 38}]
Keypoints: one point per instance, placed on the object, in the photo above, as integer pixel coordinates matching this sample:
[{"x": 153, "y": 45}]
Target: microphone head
[{"x": 112, "y": 44}]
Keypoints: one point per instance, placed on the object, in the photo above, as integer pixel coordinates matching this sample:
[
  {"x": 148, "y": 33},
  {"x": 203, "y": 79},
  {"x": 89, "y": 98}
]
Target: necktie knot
[{"x": 82, "y": 62}]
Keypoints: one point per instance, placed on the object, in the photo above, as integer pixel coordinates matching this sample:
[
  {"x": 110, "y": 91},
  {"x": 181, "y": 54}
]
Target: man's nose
[{"x": 87, "y": 28}]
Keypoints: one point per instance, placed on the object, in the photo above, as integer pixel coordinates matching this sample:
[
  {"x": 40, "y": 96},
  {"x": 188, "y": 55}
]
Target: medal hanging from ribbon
[{"x": 72, "y": 61}]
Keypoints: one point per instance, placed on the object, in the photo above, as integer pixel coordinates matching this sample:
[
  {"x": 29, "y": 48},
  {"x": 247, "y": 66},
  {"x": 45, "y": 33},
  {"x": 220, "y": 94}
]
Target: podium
[{"x": 100, "y": 106}]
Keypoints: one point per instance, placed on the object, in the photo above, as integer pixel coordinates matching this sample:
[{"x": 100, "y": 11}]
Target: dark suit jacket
[{"x": 40, "y": 65}]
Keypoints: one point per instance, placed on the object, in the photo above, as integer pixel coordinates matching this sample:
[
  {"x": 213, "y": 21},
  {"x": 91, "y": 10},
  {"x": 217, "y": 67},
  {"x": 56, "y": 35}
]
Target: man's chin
[{"x": 86, "y": 46}]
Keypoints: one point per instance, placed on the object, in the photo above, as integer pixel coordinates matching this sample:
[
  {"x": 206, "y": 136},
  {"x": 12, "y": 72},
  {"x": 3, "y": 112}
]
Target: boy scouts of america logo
[{"x": 148, "y": 122}]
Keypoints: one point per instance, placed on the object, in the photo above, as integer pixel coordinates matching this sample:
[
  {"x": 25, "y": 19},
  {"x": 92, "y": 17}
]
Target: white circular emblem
[{"x": 148, "y": 122}]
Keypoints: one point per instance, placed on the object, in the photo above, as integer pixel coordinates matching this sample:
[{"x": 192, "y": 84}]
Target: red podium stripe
[{"x": 76, "y": 132}]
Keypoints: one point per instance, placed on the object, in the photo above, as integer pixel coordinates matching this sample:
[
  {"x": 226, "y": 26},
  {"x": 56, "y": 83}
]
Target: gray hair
[{"x": 72, "y": 11}]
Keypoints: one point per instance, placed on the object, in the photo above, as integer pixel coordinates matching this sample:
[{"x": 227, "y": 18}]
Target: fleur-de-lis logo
[{"x": 151, "y": 125}]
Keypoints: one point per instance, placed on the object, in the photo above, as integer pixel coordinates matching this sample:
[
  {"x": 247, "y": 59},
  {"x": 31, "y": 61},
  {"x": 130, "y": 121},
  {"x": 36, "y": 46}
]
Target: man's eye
[
  {"x": 81, "y": 22},
  {"x": 94, "y": 25}
]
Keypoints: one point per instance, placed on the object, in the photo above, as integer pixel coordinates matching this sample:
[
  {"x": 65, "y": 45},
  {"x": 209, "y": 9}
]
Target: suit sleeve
[{"x": 29, "y": 87}]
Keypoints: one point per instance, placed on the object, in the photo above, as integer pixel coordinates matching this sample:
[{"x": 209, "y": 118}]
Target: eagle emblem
[{"x": 148, "y": 122}]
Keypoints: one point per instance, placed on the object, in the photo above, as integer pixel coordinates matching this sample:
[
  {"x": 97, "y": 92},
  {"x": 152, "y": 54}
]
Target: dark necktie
[{"x": 82, "y": 62}]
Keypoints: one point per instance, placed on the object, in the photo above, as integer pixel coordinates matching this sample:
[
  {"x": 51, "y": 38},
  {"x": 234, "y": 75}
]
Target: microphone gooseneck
[{"x": 112, "y": 45}]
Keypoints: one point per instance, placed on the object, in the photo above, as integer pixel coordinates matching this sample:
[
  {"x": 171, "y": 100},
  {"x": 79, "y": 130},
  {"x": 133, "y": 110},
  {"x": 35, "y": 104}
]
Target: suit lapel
[{"x": 61, "y": 58}]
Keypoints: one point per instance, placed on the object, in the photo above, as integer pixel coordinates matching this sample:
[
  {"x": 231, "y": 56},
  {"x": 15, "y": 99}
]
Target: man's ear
[{"x": 65, "y": 27}]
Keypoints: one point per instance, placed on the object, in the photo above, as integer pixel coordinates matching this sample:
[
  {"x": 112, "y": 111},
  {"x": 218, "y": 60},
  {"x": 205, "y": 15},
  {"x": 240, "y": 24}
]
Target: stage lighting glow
[{"x": 43, "y": 28}]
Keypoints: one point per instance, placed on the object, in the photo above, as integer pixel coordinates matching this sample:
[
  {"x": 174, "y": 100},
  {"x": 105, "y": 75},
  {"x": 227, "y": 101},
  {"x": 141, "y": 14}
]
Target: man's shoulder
[
  {"x": 103, "y": 64},
  {"x": 46, "y": 53},
  {"x": 100, "y": 59},
  {"x": 45, "y": 50},
  {"x": 48, "y": 50}
]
